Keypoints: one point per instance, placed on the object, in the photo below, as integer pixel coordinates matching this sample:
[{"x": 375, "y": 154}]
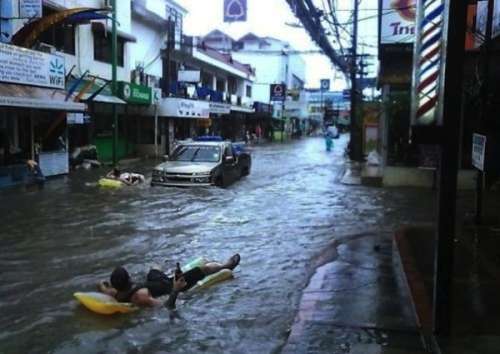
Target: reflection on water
[{"x": 69, "y": 235}]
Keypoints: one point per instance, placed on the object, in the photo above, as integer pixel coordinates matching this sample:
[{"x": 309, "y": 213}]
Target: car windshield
[{"x": 196, "y": 153}]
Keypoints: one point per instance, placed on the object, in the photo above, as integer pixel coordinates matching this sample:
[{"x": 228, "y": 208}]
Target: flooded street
[{"x": 71, "y": 234}]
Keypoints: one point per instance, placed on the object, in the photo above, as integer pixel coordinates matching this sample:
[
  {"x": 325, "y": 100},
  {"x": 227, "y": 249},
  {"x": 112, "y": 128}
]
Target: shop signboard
[
  {"x": 29, "y": 67},
  {"x": 191, "y": 76},
  {"x": 77, "y": 118},
  {"x": 220, "y": 108},
  {"x": 478, "y": 151},
  {"x": 135, "y": 94},
  {"x": 325, "y": 84},
  {"x": 183, "y": 108},
  {"x": 397, "y": 24},
  {"x": 30, "y": 9}
]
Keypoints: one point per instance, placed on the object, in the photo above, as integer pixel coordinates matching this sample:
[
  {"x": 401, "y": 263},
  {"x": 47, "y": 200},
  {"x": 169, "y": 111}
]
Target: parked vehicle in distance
[{"x": 203, "y": 163}]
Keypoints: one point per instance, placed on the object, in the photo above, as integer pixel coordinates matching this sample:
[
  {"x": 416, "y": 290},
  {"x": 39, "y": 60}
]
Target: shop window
[
  {"x": 102, "y": 48},
  {"x": 61, "y": 36}
]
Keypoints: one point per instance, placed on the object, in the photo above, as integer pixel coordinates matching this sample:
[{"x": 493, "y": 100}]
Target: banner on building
[
  {"x": 30, "y": 9},
  {"x": 428, "y": 64},
  {"x": 397, "y": 23},
  {"x": 191, "y": 76},
  {"x": 29, "y": 67},
  {"x": 235, "y": 10}
]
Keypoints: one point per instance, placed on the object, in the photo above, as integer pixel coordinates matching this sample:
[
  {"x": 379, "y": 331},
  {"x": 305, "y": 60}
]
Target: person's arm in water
[
  {"x": 179, "y": 284},
  {"x": 105, "y": 288}
]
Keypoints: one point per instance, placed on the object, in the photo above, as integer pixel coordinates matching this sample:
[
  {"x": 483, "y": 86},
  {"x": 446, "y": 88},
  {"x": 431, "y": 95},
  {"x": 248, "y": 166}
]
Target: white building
[{"x": 274, "y": 60}]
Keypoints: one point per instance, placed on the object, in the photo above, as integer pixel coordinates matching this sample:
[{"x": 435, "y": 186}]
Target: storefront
[
  {"x": 183, "y": 118},
  {"x": 33, "y": 118},
  {"x": 217, "y": 111},
  {"x": 260, "y": 121},
  {"x": 233, "y": 124}
]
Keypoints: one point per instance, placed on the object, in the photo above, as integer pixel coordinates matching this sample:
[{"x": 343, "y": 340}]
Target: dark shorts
[{"x": 159, "y": 284}]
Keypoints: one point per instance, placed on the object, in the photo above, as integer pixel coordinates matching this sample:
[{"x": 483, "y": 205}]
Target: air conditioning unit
[
  {"x": 107, "y": 4},
  {"x": 46, "y": 48}
]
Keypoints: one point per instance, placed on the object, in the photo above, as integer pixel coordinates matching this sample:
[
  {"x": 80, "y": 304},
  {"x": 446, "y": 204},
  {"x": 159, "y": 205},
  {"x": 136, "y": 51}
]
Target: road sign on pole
[
  {"x": 325, "y": 84},
  {"x": 278, "y": 92}
]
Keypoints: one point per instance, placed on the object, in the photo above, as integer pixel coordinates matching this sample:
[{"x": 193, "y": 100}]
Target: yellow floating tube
[
  {"x": 103, "y": 304},
  {"x": 107, "y": 305},
  {"x": 110, "y": 183}
]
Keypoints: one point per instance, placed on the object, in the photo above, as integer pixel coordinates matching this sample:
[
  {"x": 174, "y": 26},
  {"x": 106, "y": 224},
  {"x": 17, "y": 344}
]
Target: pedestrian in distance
[{"x": 157, "y": 283}]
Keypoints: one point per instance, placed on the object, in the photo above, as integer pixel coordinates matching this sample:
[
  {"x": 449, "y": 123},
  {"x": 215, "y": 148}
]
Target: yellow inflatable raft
[
  {"x": 107, "y": 305},
  {"x": 110, "y": 183},
  {"x": 104, "y": 304}
]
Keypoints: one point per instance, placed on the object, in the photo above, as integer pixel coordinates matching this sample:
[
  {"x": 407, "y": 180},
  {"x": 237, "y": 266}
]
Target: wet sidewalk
[
  {"x": 476, "y": 289},
  {"x": 356, "y": 302}
]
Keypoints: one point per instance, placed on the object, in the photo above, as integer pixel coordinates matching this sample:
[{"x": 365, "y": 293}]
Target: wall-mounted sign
[
  {"x": 133, "y": 93},
  {"x": 29, "y": 67},
  {"x": 30, "y": 9},
  {"x": 478, "y": 151},
  {"x": 235, "y": 10},
  {"x": 278, "y": 92},
  {"x": 156, "y": 95},
  {"x": 192, "y": 76},
  {"x": 77, "y": 118},
  {"x": 397, "y": 21},
  {"x": 220, "y": 108}
]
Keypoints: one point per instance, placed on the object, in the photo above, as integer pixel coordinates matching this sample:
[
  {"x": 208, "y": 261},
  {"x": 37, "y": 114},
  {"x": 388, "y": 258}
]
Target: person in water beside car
[
  {"x": 157, "y": 284},
  {"x": 128, "y": 178}
]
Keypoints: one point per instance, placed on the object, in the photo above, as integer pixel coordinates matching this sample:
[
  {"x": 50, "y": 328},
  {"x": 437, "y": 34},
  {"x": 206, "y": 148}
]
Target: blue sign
[
  {"x": 235, "y": 10},
  {"x": 278, "y": 92},
  {"x": 325, "y": 84}
]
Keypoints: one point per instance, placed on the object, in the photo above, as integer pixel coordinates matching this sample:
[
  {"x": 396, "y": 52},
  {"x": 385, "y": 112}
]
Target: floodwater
[{"x": 66, "y": 237}]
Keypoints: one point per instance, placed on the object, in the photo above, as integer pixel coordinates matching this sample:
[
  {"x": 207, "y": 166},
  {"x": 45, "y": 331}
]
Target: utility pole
[
  {"x": 355, "y": 143},
  {"x": 114, "y": 60},
  {"x": 454, "y": 34}
]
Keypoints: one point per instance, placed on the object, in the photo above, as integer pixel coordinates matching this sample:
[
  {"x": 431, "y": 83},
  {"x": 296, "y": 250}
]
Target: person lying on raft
[
  {"x": 130, "y": 179},
  {"x": 157, "y": 284}
]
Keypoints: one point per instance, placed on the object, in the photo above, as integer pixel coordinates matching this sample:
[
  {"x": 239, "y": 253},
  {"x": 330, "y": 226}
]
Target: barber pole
[{"x": 428, "y": 68}]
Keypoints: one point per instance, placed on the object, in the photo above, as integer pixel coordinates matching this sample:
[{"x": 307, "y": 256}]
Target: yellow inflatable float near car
[{"x": 107, "y": 305}]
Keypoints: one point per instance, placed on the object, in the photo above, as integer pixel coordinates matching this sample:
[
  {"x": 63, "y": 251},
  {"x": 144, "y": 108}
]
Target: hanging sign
[
  {"x": 24, "y": 66},
  {"x": 397, "y": 21},
  {"x": 235, "y": 10}
]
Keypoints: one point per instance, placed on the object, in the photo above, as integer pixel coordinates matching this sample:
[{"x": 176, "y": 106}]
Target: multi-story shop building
[{"x": 155, "y": 104}]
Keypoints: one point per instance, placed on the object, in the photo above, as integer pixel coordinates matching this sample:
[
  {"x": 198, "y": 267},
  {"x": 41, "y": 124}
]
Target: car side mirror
[{"x": 165, "y": 158}]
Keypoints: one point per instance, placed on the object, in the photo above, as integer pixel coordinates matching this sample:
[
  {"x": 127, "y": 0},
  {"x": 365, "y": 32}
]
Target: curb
[{"x": 421, "y": 304}]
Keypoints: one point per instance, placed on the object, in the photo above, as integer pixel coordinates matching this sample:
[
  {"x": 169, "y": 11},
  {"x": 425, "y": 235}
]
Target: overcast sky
[{"x": 269, "y": 18}]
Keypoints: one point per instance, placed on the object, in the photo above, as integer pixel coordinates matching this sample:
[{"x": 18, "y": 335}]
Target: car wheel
[{"x": 219, "y": 181}]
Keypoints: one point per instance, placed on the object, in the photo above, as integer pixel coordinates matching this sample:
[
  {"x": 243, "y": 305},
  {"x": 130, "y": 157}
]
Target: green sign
[{"x": 133, "y": 93}]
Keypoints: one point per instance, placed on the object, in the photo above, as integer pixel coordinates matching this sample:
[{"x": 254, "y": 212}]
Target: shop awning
[
  {"x": 12, "y": 95},
  {"x": 104, "y": 95},
  {"x": 242, "y": 109}
]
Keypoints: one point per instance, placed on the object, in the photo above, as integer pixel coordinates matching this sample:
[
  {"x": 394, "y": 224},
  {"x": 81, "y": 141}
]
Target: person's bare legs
[{"x": 214, "y": 267}]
